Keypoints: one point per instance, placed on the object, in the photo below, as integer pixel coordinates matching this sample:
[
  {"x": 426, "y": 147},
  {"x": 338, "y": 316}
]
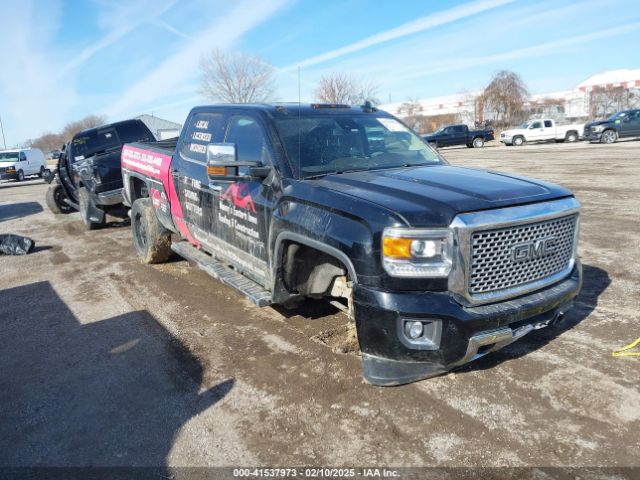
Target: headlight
[
  {"x": 408, "y": 252},
  {"x": 597, "y": 128}
]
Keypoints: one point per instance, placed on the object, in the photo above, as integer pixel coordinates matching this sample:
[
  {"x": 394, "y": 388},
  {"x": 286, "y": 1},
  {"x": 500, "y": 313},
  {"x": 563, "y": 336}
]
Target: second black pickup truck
[
  {"x": 88, "y": 177},
  {"x": 451, "y": 135},
  {"x": 438, "y": 265}
]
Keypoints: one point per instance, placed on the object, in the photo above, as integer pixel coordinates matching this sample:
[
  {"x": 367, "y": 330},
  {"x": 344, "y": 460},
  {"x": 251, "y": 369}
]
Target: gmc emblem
[{"x": 535, "y": 249}]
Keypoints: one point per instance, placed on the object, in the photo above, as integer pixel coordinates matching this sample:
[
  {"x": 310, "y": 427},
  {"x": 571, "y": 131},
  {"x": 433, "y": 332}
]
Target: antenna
[
  {"x": 299, "y": 127},
  {"x": 2, "y": 128}
]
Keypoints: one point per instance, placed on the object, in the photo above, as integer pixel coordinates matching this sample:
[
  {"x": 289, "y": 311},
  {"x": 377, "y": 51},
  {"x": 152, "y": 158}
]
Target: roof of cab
[{"x": 294, "y": 108}]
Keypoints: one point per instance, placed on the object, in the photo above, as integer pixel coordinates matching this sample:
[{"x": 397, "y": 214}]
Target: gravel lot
[{"x": 106, "y": 361}]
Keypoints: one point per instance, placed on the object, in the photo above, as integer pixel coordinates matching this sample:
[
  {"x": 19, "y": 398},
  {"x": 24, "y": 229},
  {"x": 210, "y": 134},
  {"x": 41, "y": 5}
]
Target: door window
[
  {"x": 201, "y": 131},
  {"x": 23, "y": 157},
  {"x": 459, "y": 129},
  {"x": 536, "y": 125},
  {"x": 250, "y": 140},
  {"x": 548, "y": 123}
]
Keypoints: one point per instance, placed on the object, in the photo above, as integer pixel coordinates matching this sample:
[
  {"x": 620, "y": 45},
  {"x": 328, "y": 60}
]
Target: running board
[{"x": 256, "y": 293}]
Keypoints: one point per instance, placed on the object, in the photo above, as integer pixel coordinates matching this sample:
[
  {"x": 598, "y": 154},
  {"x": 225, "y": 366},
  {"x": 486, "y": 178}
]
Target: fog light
[{"x": 414, "y": 329}]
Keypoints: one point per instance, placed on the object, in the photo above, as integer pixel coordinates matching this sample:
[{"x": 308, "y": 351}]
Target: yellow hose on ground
[{"x": 622, "y": 352}]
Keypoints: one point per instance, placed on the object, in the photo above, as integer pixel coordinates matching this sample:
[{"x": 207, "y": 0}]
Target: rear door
[{"x": 198, "y": 201}]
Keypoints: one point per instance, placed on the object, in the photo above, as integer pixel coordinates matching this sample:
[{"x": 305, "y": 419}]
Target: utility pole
[{"x": 3, "y": 140}]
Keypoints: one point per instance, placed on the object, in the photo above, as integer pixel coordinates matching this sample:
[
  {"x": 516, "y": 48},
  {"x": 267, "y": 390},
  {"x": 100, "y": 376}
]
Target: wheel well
[
  {"x": 138, "y": 189},
  {"x": 310, "y": 272}
]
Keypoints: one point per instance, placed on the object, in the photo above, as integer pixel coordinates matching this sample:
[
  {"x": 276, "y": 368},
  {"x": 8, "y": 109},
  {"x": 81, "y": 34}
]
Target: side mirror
[
  {"x": 47, "y": 175},
  {"x": 222, "y": 164}
]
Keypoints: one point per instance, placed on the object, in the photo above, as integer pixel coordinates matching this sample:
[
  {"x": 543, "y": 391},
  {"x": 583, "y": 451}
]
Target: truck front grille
[{"x": 514, "y": 256}]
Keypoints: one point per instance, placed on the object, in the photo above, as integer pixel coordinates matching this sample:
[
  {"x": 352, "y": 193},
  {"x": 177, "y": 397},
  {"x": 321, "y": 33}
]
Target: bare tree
[
  {"x": 76, "y": 126},
  {"x": 505, "y": 97},
  {"x": 340, "y": 88},
  {"x": 52, "y": 141},
  {"x": 236, "y": 77},
  {"x": 604, "y": 102}
]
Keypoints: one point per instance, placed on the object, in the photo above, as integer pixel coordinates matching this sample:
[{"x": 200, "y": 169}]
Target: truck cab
[
  {"x": 437, "y": 265},
  {"x": 450, "y": 135}
]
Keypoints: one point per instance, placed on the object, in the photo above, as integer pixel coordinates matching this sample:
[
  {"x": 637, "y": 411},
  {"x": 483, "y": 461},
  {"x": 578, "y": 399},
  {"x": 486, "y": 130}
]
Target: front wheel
[
  {"x": 518, "y": 141},
  {"x": 92, "y": 217},
  {"x": 478, "y": 142},
  {"x": 55, "y": 199},
  {"x": 609, "y": 136},
  {"x": 20, "y": 176},
  {"x": 151, "y": 239}
]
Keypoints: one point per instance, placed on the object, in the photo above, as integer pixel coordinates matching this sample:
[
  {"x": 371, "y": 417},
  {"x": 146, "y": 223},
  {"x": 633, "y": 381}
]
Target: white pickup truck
[{"x": 541, "y": 130}]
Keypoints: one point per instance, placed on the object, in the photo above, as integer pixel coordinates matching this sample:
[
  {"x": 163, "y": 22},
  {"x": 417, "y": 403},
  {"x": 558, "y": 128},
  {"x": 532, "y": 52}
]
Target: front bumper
[
  {"x": 592, "y": 136},
  {"x": 463, "y": 333},
  {"x": 8, "y": 176}
]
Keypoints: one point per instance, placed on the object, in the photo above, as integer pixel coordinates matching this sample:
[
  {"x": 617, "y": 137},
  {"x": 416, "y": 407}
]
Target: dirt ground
[{"x": 106, "y": 361}]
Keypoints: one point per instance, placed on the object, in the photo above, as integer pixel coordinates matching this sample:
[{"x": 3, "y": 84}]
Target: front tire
[
  {"x": 90, "y": 218},
  {"x": 151, "y": 239},
  {"x": 478, "y": 142},
  {"x": 609, "y": 136},
  {"x": 518, "y": 141},
  {"x": 55, "y": 200},
  {"x": 20, "y": 176}
]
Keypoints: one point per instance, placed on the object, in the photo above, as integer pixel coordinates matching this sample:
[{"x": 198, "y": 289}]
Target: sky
[{"x": 61, "y": 60}]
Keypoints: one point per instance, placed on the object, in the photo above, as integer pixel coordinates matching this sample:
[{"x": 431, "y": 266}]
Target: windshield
[
  {"x": 322, "y": 144},
  {"x": 8, "y": 156},
  {"x": 94, "y": 142},
  {"x": 617, "y": 116},
  {"x": 524, "y": 125},
  {"x": 438, "y": 131}
]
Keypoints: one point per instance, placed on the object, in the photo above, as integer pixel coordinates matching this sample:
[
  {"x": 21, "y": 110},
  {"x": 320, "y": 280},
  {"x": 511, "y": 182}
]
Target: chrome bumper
[{"x": 112, "y": 197}]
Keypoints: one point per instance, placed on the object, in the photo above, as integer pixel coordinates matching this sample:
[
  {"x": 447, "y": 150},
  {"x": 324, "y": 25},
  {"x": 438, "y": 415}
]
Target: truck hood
[
  {"x": 599, "y": 122},
  {"x": 7, "y": 164},
  {"x": 434, "y": 195},
  {"x": 512, "y": 131}
]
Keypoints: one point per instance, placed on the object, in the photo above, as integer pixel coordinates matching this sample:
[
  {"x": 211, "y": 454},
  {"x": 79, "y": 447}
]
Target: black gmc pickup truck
[
  {"x": 451, "y": 135},
  {"x": 438, "y": 265},
  {"x": 88, "y": 175}
]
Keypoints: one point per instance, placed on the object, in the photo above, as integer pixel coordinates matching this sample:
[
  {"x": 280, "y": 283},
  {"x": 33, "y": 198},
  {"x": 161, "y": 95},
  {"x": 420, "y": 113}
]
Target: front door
[
  {"x": 536, "y": 131},
  {"x": 630, "y": 126},
  {"x": 245, "y": 206}
]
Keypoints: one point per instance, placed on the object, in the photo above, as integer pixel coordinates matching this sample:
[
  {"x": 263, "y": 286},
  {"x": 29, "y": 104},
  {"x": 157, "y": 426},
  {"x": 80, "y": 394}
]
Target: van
[{"x": 21, "y": 163}]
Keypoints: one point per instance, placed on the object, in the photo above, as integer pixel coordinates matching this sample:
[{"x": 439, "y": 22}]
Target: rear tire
[
  {"x": 571, "y": 137},
  {"x": 151, "y": 239},
  {"x": 86, "y": 209},
  {"x": 518, "y": 141},
  {"x": 55, "y": 199},
  {"x": 20, "y": 176},
  {"x": 609, "y": 136},
  {"x": 41, "y": 172},
  {"x": 478, "y": 142}
]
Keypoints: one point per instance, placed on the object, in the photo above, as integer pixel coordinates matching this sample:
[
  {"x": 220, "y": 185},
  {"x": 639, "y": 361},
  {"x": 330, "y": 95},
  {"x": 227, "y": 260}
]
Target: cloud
[
  {"x": 226, "y": 29},
  {"x": 119, "y": 19},
  {"x": 546, "y": 48},
  {"x": 419, "y": 25},
  {"x": 30, "y": 102}
]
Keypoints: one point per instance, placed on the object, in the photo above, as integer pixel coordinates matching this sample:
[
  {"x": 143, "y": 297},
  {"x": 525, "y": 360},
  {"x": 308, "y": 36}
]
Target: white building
[
  {"x": 573, "y": 104},
  {"x": 161, "y": 128}
]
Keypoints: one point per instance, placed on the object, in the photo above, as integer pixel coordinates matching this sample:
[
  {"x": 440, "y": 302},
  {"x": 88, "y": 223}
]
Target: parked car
[
  {"x": 88, "y": 173},
  {"x": 450, "y": 135},
  {"x": 53, "y": 154},
  {"x": 541, "y": 130},
  {"x": 625, "y": 124},
  {"x": 438, "y": 265},
  {"x": 20, "y": 163}
]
